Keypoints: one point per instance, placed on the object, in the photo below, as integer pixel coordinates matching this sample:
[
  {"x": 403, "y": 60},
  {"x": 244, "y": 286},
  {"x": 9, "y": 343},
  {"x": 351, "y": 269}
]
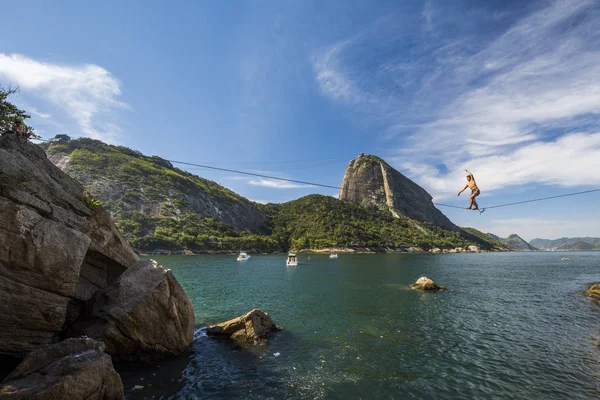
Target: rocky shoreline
[{"x": 74, "y": 294}]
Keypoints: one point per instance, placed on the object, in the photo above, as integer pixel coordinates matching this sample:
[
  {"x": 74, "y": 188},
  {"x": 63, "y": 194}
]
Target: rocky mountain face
[
  {"x": 565, "y": 243},
  {"x": 514, "y": 242},
  {"x": 148, "y": 197},
  {"x": 66, "y": 271},
  {"x": 370, "y": 181}
]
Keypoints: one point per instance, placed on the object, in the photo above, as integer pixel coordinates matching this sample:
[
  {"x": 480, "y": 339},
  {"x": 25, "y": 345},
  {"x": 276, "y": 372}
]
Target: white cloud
[
  {"x": 37, "y": 113},
  {"x": 332, "y": 80},
  {"x": 276, "y": 184},
  {"x": 514, "y": 109},
  {"x": 82, "y": 92},
  {"x": 261, "y": 201}
]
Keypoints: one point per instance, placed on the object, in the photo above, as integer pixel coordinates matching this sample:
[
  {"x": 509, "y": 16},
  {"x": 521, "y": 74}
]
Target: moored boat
[
  {"x": 243, "y": 257},
  {"x": 292, "y": 260},
  {"x": 333, "y": 256}
]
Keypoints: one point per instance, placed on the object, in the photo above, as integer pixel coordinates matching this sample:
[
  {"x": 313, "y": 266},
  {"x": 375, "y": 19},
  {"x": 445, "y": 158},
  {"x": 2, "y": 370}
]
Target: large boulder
[
  {"x": 250, "y": 327},
  {"x": 72, "y": 369},
  {"x": 55, "y": 250},
  {"x": 144, "y": 315},
  {"x": 62, "y": 265},
  {"x": 424, "y": 283}
]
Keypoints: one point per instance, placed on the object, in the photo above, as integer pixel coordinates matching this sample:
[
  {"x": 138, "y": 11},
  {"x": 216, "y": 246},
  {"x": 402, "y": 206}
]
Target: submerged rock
[
  {"x": 424, "y": 283},
  {"x": 72, "y": 369},
  {"x": 254, "y": 325},
  {"x": 144, "y": 315},
  {"x": 594, "y": 292}
]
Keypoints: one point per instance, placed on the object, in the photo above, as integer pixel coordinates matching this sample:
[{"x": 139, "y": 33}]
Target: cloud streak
[
  {"x": 518, "y": 106},
  {"x": 276, "y": 184},
  {"x": 83, "y": 93}
]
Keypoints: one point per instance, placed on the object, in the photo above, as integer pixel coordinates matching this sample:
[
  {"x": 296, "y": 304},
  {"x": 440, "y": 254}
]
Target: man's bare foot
[{"x": 469, "y": 208}]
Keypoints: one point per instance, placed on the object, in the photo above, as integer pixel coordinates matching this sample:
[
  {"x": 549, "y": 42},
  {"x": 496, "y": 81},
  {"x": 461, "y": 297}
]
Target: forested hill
[
  {"x": 159, "y": 207},
  {"x": 317, "y": 221},
  {"x": 153, "y": 203}
]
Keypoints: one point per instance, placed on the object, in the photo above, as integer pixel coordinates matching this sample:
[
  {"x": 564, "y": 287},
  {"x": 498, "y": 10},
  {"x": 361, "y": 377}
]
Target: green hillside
[
  {"x": 162, "y": 208},
  {"x": 318, "y": 222},
  {"x": 158, "y": 206}
]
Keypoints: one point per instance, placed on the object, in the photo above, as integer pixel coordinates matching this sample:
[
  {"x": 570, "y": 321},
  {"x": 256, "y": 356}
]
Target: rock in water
[
  {"x": 144, "y": 315},
  {"x": 370, "y": 181},
  {"x": 254, "y": 325},
  {"x": 594, "y": 292},
  {"x": 72, "y": 369},
  {"x": 424, "y": 283}
]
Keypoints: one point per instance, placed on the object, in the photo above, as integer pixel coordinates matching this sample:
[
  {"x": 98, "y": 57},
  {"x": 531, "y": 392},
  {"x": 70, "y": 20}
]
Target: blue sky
[{"x": 508, "y": 89}]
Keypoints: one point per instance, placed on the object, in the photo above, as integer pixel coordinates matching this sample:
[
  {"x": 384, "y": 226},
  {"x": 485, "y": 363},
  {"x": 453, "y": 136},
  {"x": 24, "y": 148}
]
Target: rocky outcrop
[
  {"x": 145, "y": 314},
  {"x": 54, "y": 250},
  {"x": 593, "y": 292},
  {"x": 62, "y": 258},
  {"x": 370, "y": 181},
  {"x": 72, "y": 369},
  {"x": 424, "y": 283},
  {"x": 251, "y": 327}
]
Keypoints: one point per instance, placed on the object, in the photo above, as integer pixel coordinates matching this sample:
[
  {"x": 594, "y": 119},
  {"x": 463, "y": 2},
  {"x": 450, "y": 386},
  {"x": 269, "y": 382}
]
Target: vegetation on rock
[
  {"x": 162, "y": 208},
  {"x": 316, "y": 222},
  {"x": 10, "y": 114}
]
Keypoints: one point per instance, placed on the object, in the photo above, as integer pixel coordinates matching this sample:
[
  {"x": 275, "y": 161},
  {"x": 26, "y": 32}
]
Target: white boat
[
  {"x": 333, "y": 256},
  {"x": 243, "y": 257},
  {"x": 292, "y": 260}
]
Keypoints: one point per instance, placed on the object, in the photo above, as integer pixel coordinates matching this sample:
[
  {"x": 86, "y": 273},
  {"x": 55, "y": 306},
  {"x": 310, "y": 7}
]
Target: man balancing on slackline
[{"x": 474, "y": 191}]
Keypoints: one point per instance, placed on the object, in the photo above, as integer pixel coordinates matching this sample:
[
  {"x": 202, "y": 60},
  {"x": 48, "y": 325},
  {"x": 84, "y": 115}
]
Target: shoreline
[{"x": 331, "y": 250}]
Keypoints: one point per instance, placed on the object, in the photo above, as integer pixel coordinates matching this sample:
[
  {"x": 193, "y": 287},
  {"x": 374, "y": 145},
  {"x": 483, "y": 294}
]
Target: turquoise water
[{"x": 512, "y": 325}]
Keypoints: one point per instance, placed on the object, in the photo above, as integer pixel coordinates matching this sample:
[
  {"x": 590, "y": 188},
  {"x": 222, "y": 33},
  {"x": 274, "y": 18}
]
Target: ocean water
[{"x": 512, "y": 326}]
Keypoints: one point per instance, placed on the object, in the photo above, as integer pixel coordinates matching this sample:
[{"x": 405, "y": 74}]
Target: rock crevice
[{"x": 65, "y": 271}]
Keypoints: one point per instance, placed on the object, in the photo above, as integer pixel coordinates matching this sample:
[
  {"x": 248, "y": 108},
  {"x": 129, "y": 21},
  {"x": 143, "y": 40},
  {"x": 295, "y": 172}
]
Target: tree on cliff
[{"x": 10, "y": 114}]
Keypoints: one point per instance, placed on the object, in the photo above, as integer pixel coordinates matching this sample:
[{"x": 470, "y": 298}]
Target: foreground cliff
[
  {"x": 66, "y": 271},
  {"x": 370, "y": 181}
]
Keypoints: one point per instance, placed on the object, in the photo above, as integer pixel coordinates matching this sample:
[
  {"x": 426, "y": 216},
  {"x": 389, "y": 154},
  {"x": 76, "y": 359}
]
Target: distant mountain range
[
  {"x": 564, "y": 243},
  {"x": 514, "y": 242}
]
